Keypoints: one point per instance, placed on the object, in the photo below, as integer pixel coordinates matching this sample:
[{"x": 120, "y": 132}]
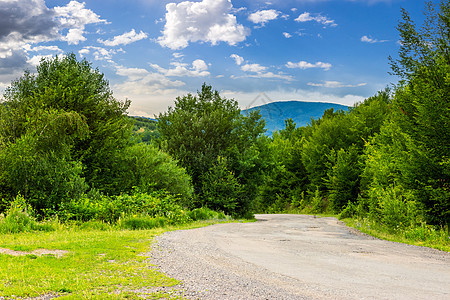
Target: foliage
[
  {"x": 62, "y": 134},
  {"x": 420, "y": 115},
  {"x": 204, "y": 213},
  {"x": 286, "y": 177},
  {"x": 221, "y": 190},
  {"x": 65, "y": 86},
  {"x": 19, "y": 217},
  {"x": 147, "y": 168},
  {"x": 111, "y": 208},
  {"x": 44, "y": 178},
  {"x": 201, "y": 130},
  {"x": 146, "y": 130},
  {"x": 343, "y": 177}
]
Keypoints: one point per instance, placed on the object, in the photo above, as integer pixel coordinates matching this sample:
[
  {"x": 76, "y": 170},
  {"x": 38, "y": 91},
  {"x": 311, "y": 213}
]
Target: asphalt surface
[{"x": 299, "y": 257}]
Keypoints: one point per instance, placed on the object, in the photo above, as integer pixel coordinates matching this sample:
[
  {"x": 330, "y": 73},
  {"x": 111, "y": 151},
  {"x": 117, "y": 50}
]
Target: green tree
[
  {"x": 421, "y": 109},
  {"x": 201, "y": 128},
  {"x": 286, "y": 178},
  {"x": 68, "y": 86},
  {"x": 38, "y": 164},
  {"x": 71, "y": 86},
  {"x": 147, "y": 168}
]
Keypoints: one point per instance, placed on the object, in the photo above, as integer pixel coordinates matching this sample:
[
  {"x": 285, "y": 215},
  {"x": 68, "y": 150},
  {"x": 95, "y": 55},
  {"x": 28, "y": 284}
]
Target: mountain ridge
[{"x": 301, "y": 112}]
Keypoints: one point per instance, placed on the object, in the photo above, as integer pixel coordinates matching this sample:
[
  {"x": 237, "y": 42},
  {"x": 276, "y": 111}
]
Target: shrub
[
  {"x": 110, "y": 208},
  {"x": 19, "y": 217},
  {"x": 205, "y": 213}
]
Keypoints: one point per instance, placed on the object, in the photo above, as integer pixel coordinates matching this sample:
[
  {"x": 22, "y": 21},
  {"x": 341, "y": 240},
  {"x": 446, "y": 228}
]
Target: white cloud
[
  {"x": 42, "y": 48},
  {"x": 370, "y": 40},
  {"x": 253, "y": 68},
  {"x": 198, "y": 69},
  {"x": 125, "y": 39},
  {"x": 206, "y": 21},
  {"x": 36, "y": 60},
  {"x": 150, "y": 92},
  {"x": 258, "y": 71},
  {"x": 335, "y": 84},
  {"x": 75, "y": 17},
  {"x": 177, "y": 55},
  {"x": 238, "y": 59},
  {"x": 99, "y": 53},
  {"x": 306, "y": 17},
  {"x": 287, "y": 35},
  {"x": 199, "y": 65},
  {"x": 263, "y": 16},
  {"x": 306, "y": 65},
  {"x": 141, "y": 81},
  {"x": 21, "y": 23},
  {"x": 25, "y": 23},
  {"x": 247, "y": 99}
]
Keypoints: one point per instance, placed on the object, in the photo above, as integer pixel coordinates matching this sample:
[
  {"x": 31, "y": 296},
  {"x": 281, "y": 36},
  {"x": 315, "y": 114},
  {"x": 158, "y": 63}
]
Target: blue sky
[{"x": 153, "y": 51}]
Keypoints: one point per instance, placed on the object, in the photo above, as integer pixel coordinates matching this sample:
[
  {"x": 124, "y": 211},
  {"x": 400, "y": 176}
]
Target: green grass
[
  {"x": 101, "y": 264},
  {"x": 424, "y": 235},
  {"x": 421, "y": 235}
]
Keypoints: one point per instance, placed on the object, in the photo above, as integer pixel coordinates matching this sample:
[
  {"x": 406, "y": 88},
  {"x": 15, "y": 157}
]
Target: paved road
[{"x": 300, "y": 257}]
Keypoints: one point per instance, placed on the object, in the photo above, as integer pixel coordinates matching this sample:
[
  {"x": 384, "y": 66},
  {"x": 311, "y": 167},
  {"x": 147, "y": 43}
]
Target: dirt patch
[{"x": 37, "y": 252}]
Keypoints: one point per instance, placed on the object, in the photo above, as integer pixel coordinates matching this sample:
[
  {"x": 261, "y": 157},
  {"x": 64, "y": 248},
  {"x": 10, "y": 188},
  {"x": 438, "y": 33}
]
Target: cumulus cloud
[
  {"x": 24, "y": 23},
  {"x": 306, "y": 17},
  {"x": 306, "y": 65},
  {"x": 198, "y": 69},
  {"x": 75, "y": 17},
  {"x": 258, "y": 71},
  {"x": 263, "y": 16},
  {"x": 35, "y": 60},
  {"x": 125, "y": 39},
  {"x": 206, "y": 21},
  {"x": 370, "y": 40},
  {"x": 142, "y": 82},
  {"x": 29, "y": 48},
  {"x": 335, "y": 84},
  {"x": 99, "y": 53},
  {"x": 287, "y": 35},
  {"x": 238, "y": 59},
  {"x": 10, "y": 64},
  {"x": 253, "y": 68}
]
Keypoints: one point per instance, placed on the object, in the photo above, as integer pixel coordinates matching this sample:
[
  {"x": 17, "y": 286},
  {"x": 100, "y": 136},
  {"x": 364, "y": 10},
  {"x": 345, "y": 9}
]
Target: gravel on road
[{"x": 297, "y": 257}]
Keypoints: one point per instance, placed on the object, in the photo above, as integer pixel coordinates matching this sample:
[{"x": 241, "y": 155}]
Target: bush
[
  {"x": 348, "y": 212},
  {"x": 110, "y": 208},
  {"x": 19, "y": 217},
  {"x": 148, "y": 168},
  {"x": 205, "y": 213},
  {"x": 397, "y": 209}
]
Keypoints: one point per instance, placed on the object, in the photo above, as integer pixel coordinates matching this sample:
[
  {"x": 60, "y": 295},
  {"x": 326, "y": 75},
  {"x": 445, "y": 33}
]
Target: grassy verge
[
  {"x": 99, "y": 264},
  {"x": 419, "y": 235},
  {"x": 423, "y": 235}
]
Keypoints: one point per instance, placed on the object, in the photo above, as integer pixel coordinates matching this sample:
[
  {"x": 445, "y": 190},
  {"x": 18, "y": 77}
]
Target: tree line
[{"x": 63, "y": 136}]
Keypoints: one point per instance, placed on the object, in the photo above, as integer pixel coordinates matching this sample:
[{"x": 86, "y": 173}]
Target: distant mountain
[{"x": 275, "y": 113}]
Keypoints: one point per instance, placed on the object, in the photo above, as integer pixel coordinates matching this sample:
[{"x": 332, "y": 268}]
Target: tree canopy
[{"x": 217, "y": 146}]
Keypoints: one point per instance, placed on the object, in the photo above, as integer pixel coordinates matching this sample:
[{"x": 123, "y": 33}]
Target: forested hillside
[
  {"x": 275, "y": 113},
  {"x": 67, "y": 148}
]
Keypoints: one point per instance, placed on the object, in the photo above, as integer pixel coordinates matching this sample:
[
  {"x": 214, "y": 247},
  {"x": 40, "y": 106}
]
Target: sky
[{"x": 255, "y": 51}]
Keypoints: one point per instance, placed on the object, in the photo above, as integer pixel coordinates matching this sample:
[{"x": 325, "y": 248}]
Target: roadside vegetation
[{"x": 77, "y": 174}]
